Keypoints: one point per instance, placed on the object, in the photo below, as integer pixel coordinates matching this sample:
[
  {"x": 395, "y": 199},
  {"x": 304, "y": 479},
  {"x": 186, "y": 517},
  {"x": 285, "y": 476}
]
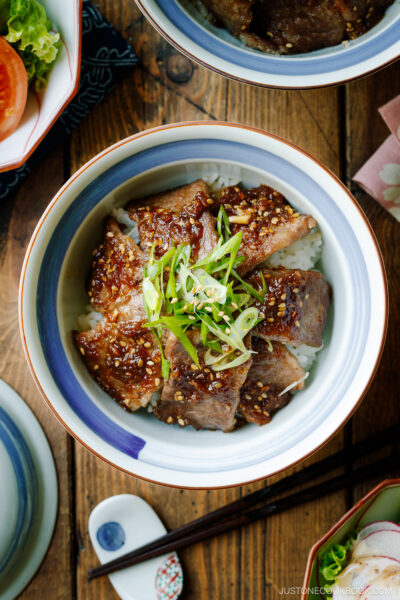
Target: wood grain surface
[{"x": 341, "y": 127}]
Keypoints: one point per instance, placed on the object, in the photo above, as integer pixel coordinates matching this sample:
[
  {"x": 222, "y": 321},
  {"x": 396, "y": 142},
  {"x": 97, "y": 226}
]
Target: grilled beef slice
[
  {"x": 295, "y": 306},
  {"x": 117, "y": 270},
  {"x": 296, "y": 26},
  {"x": 270, "y": 374},
  {"x": 267, "y": 221},
  {"x": 196, "y": 396},
  {"x": 180, "y": 216},
  {"x": 124, "y": 359}
]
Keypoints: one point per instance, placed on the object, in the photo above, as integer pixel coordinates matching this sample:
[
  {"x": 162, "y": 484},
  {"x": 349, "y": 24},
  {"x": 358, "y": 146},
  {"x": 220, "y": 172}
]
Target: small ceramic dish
[
  {"x": 381, "y": 504},
  {"x": 213, "y": 47},
  {"x": 28, "y": 494},
  {"x": 42, "y": 110},
  {"x": 52, "y": 295}
]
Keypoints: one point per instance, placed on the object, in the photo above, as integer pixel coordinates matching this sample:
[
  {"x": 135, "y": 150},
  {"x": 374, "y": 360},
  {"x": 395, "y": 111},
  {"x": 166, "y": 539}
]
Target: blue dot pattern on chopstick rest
[{"x": 111, "y": 536}]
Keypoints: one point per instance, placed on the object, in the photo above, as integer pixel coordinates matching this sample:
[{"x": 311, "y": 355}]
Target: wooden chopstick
[
  {"x": 296, "y": 499},
  {"x": 187, "y": 534}
]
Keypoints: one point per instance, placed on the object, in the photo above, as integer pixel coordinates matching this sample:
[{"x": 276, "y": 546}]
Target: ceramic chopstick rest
[{"x": 119, "y": 525}]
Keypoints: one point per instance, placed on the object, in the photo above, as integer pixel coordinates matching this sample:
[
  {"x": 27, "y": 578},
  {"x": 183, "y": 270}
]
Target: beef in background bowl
[
  {"x": 292, "y": 26},
  {"x": 320, "y": 58}
]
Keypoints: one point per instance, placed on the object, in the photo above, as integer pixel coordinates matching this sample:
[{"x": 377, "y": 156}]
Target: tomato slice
[{"x": 13, "y": 88}]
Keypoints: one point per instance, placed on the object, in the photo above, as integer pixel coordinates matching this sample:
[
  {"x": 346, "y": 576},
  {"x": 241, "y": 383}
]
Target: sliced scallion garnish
[{"x": 208, "y": 295}]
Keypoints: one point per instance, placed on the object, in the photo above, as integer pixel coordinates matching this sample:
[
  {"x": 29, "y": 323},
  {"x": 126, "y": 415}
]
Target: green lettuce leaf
[
  {"x": 29, "y": 31},
  {"x": 334, "y": 561}
]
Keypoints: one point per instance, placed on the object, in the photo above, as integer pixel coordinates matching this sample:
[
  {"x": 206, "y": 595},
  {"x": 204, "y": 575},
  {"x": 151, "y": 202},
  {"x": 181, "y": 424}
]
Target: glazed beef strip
[
  {"x": 117, "y": 270},
  {"x": 269, "y": 375},
  {"x": 296, "y": 26},
  {"x": 289, "y": 26},
  {"x": 236, "y": 15},
  {"x": 124, "y": 359},
  {"x": 295, "y": 305},
  {"x": 180, "y": 216},
  {"x": 265, "y": 218},
  {"x": 201, "y": 397}
]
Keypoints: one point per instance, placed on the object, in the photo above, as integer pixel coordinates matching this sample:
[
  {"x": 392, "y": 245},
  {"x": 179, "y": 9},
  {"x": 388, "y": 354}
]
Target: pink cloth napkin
[{"x": 380, "y": 176}]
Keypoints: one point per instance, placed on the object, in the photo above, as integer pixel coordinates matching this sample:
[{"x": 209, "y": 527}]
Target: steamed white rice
[
  {"x": 217, "y": 181},
  {"x": 303, "y": 254},
  {"x": 89, "y": 319},
  {"x": 122, "y": 217},
  {"x": 306, "y": 355}
]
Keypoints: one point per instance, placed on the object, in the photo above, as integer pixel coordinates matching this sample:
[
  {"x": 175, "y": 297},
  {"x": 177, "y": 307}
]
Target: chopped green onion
[
  {"x": 150, "y": 294},
  {"x": 221, "y": 363},
  {"x": 223, "y": 264},
  {"x": 231, "y": 338},
  {"x": 293, "y": 385},
  {"x": 176, "y": 324},
  {"x": 208, "y": 295},
  {"x": 165, "y": 366},
  {"x": 249, "y": 288},
  {"x": 223, "y": 223},
  {"x": 155, "y": 268},
  {"x": 236, "y": 362},
  {"x": 246, "y": 321},
  {"x": 221, "y": 251}
]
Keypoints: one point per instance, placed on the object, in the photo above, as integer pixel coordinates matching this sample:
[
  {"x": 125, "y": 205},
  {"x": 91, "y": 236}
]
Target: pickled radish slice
[
  {"x": 379, "y": 543},
  {"x": 377, "y": 526}
]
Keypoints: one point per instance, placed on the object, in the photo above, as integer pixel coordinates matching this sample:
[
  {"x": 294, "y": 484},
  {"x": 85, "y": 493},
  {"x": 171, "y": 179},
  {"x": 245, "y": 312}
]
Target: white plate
[
  {"x": 30, "y": 553},
  {"x": 43, "y": 109}
]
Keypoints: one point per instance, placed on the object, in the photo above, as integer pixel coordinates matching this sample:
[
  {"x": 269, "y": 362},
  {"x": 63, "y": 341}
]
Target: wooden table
[{"x": 341, "y": 127}]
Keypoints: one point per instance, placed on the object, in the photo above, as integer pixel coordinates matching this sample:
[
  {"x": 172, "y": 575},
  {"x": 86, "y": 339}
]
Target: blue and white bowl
[
  {"x": 28, "y": 494},
  {"x": 19, "y": 494},
  {"x": 216, "y": 49},
  {"x": 52, "y": 295}
]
